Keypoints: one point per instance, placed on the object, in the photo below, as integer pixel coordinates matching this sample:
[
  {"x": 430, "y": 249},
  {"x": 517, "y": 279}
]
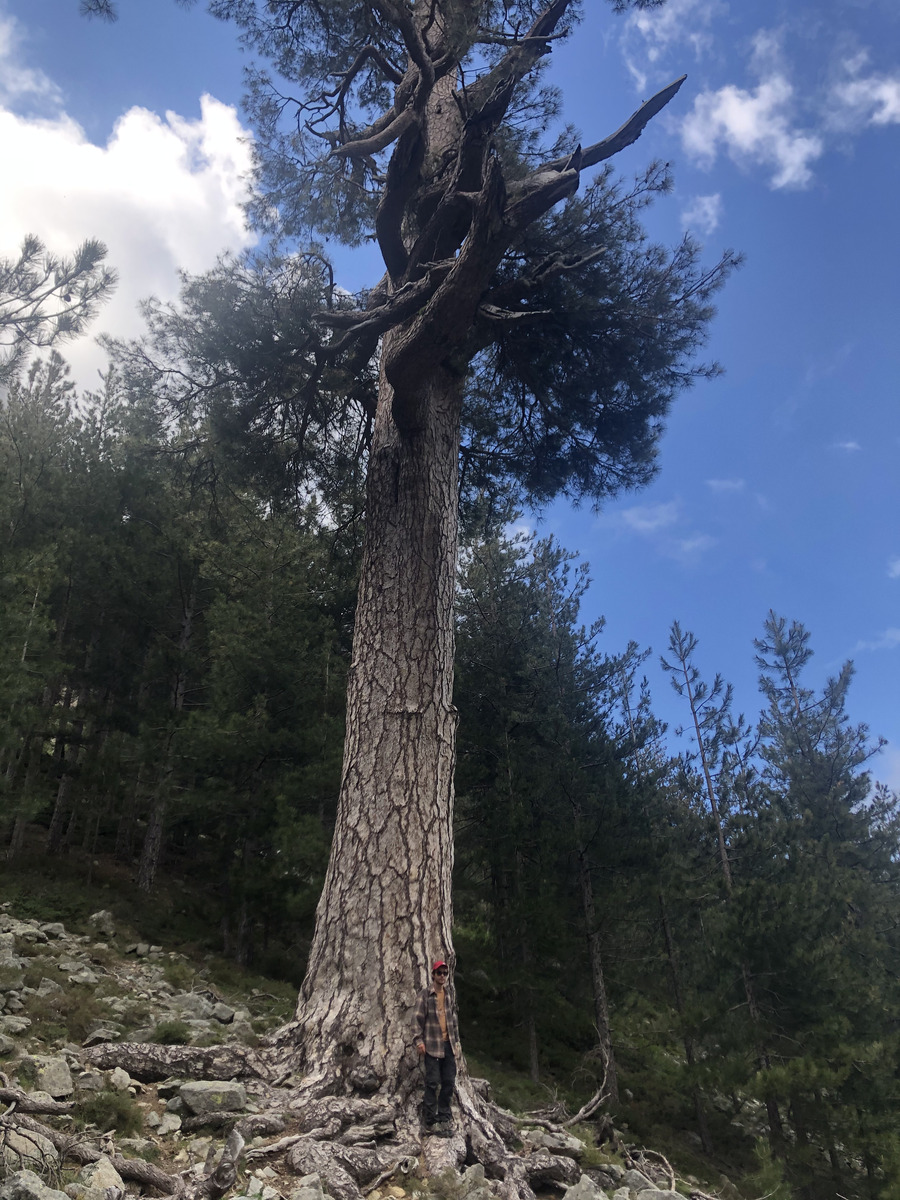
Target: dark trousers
[{"x": 440, "y": 1078}]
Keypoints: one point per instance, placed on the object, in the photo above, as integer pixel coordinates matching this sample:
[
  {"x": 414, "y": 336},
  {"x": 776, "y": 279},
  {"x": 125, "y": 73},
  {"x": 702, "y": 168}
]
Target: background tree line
[{"x": 711, "y": 937}]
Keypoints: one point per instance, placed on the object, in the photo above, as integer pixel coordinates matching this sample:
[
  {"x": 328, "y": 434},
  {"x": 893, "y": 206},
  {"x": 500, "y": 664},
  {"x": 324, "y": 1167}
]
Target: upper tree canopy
[{"x": 425, "y": 127}]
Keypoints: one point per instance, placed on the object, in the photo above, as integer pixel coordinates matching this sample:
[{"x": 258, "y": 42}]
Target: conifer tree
[{"x": 525, "y": 337}]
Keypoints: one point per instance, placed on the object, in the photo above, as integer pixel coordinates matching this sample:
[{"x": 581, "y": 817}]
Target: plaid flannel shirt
[{"x": 427, "y": 1026}]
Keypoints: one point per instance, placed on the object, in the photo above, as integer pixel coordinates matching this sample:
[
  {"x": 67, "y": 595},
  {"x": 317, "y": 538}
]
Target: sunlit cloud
[
  {"x": 703, "y": 214},
  {"x": 755, "y": 126},
  {"x": 858, "y": 99},
  {"x": 849, "y": 447},
  {"x": 163, "y": 193},
  {"x": 18, "y": 82},
  {"x": 894, "y": 568}
]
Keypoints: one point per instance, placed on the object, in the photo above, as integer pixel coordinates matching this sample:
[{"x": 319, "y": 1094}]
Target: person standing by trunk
[{"x": 436, "y": 1032}]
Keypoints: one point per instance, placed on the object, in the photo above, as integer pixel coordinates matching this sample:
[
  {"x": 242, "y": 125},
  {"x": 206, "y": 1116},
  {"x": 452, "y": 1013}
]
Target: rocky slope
[{"x": 67, "y": 999}]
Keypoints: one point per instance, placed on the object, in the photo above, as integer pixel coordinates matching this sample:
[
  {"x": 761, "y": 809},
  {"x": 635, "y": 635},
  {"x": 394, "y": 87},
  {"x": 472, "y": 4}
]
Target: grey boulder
[
  {"x": 213, "y": 1096},
  {"x": 25, "y": 1185},
  {"x": 48, "y": 1074},
  {"x": 584, "y": 1189}
]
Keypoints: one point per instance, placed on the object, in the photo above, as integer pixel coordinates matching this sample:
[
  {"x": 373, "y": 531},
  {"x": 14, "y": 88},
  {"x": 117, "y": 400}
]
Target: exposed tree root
[
  {"x": 81, "y": 1150},
  {"x": 353, "y": 1141}
]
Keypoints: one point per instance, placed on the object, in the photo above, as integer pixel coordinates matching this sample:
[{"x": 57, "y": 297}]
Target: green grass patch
[{"x": 66, "y": 1014}]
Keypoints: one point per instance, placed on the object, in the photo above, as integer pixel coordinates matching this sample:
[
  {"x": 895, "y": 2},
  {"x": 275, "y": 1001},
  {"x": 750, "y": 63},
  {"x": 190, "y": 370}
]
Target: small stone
[
  {"x": 192, "y": 1004},
  {"x": 84, "y": 976},
  {"x": 170, "y": 1123},
  {"x": 98, "y": 1036},
  {"x": 7, "y": 1045},
  {"x": 119, "y": 1079},
  {"x": 199, "y": 1148},
  {"x": 101, "y": 1174},
  {"x": 47, "y": 987},
  {"x": 54, "y": 929},
  {"x": 584, "y": 1189},
  {"x": 152, "y": 1120},
  {"x": 104, "y": 923},
  {"x": 655, "y": 1194},
  {"x": 636, "y": 1182},
  {"x": 254, "y": 1186},
  {"x": 309, "y": 1187},
  {"x": 556, "y": 1143},
  {"x": 14, "y": 1024},
  {"x": 142, "y": 949},
  {"x": 223, "y": 1014}
]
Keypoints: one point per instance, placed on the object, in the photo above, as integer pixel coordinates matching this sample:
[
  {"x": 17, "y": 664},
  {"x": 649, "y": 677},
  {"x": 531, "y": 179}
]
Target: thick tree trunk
[{"x": 385, "y": 909}]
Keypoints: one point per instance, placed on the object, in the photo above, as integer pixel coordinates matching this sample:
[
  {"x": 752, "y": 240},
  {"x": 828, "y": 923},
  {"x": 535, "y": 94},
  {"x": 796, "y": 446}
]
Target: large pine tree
[{"x": 524, "y": 338}]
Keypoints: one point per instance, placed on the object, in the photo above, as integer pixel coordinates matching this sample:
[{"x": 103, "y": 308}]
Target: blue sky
[{"x": 779, "y": 484}]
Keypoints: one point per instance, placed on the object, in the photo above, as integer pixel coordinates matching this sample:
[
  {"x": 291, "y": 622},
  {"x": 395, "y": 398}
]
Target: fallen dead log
[
  {"x": 25, "y": 1102},
  {"x": 149, "y": 1061}
]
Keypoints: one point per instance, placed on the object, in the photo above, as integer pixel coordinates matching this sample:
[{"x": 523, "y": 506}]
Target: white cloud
[
  {"x": 889, "y": 640},
  {"x": 694, "y": 546},
  {"x": 163, "y": 193},
  {"x": 18, "y": 82},
  {"x": 755, "y": 127},
  {"x": 850, "y": 447},
  {"x": 894, "y": 568},
  {"x": 703, "y": 213},
  {"x": 857, "y": 100},
  {"x": 725, "y": 485},
  {"x": 650, "y": 32},
  {"x": 650, "y": 518},
  {"x": 663, "y": 525}
]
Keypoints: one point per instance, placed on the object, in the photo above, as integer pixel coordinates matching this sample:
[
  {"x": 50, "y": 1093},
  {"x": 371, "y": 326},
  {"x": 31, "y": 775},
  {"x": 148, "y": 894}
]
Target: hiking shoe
[{"x": 447, "y": 1128}]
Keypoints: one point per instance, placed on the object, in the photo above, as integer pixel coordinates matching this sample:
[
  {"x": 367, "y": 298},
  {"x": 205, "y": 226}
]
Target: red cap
[{"x": 440, "y": 963}]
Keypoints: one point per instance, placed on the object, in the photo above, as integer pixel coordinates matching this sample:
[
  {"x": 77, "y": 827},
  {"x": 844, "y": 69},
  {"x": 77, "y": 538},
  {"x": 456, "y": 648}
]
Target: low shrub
[
  {"x": 109, "y": 1110},
  {"x": 172, "y": 1033}
]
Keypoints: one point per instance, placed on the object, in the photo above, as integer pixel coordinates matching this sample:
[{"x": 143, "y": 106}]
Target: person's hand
[{"x": 420, "y": 1046}]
